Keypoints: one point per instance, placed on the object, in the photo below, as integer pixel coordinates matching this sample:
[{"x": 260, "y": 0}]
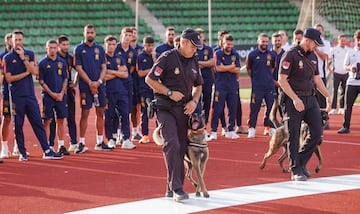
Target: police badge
[{"x": 177, "y": 71}]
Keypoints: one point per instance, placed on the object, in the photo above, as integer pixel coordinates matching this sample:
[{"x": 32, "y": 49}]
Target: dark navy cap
[
  {"x": 313, "y": 34},
  {"x": 192, "y": 36}
]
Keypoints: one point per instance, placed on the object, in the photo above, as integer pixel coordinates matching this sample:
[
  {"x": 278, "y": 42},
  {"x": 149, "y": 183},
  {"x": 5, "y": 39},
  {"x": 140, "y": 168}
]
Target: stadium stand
[
  {"x": 344, "y": 14},
  {"x": 244, "y": 19},
  {"x": 41, "y": 20}
]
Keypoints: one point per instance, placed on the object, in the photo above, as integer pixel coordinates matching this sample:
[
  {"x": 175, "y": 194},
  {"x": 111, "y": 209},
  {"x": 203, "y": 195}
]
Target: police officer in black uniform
[
  {"x": 299, "y": 78},
  {"x": 176, "y": 80}
]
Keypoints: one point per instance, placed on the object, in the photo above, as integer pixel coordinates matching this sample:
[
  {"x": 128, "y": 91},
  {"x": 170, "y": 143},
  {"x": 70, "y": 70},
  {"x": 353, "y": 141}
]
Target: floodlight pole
[
  {"x": 209, "y": 23},
  {"x": 137, "y": 15}
]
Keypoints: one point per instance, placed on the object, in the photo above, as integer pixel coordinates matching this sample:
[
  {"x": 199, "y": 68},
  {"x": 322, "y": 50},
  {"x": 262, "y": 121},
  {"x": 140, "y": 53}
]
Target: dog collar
[{"x": 198, "y": 145}]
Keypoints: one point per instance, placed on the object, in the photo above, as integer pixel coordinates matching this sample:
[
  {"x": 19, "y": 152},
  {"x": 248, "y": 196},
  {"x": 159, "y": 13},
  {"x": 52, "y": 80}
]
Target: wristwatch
[
  {"x": 169, "y": 93},
  {"x": 100, "y": 81}
]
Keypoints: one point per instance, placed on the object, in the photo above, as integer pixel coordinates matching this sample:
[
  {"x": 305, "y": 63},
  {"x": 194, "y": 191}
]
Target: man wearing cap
[
  {"x": 177, "y": 82},
  {"x": 299, "y": 78}
]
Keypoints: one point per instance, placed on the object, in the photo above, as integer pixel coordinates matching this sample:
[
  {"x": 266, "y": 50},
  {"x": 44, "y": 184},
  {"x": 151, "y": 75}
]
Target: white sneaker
[
  {"x": 341, "y": 111},
  {"x": 224, "y": 131},
  {"x": 127, "y": 144},
  {"x": 111, "y": 144},
  {"x": 4, "y": 151},
  {"x": 213, "y": 136},
  {"x": 333, "y": 111},
  {"x": 251, "y": 133},
  {"x": 72, "y": 147},
  {"x": 231, "y": 135},
  {"x": 272, "y": 131}
]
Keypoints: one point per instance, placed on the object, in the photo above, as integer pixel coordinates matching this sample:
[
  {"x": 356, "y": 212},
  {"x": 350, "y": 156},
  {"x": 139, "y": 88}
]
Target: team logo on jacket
[
  {"x": 27, "y": 57},
  {"x": 118, "y": 61},
  {"x": 206, "y": 55},
  {"x": 233, "y": 59},
  {"x": 48, "y": 66},
  {"x": 268, "y": 58},
  {"x": 177, "y": 71},
  {"x": 60, "y": 66},
  {"x": 97, "y": 51}
]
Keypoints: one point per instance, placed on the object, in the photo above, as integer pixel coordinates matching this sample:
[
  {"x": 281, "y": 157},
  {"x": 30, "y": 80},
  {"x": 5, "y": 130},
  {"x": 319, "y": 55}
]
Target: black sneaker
[
  {"x": 102, "y": 147},
  {"x": 63, "y": 151},
  {"x": 180, "y": 195},
  {"x": 81, "y": 148},
  {"x": 343, "y": 130},
  {"x": 169, "y": 194},
  {"x": 51, "y": 155},
  {"x": 306, "y": 173}
]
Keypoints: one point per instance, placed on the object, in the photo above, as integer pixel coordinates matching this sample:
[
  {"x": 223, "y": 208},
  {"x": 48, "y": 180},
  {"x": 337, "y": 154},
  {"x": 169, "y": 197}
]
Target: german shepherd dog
[
  {"x": 280, "y": 139},
  {"x": 197, "y": 151}
]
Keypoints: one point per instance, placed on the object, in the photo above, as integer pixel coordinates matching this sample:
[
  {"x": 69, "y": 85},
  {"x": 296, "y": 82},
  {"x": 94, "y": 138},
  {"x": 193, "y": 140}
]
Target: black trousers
[
  {"x": 321, "y": 99},
  {"x": 311, "y": 115},
  {"x": 351, "y": 92},
  {"x": 339, "y": 78}
]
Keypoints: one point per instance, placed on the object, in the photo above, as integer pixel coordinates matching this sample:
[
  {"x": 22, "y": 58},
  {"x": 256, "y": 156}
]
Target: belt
[{"x": 305, "y": 93}]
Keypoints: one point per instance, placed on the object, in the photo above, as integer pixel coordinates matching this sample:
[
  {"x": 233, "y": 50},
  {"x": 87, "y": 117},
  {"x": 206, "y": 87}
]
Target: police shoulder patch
[{"x": 286, "y": 64}]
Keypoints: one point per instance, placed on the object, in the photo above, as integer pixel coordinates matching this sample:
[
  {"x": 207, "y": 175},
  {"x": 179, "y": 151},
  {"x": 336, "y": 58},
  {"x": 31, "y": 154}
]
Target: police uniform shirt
[
  {"x": 261, "y": 65},
  {"x": 14, "y": 65},
  {"x": 68, "y": 58},
  {"x": 90, "y": 58},
  {"x": 217, "y": 47},
  {"x": 145, "y": 61},
  {"x": 162, "y": 48},
  {"x": 115, "y": 85},
  {"x": 53, "y": 73},
  {"x": 168, "y": 70},
  {"x": 337, "y": 54},
  {"x": 205, "y": 54},
  {"x": 129, "y": 56},
  {"x": 278, "y": 58},
  {"x": 300, "y": 67},
  {"x": 226, "y": 80},
  {"x": 352, "y": 57}
]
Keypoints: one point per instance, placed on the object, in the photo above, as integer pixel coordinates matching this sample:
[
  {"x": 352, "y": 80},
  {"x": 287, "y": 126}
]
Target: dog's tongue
[{"x": 195, "y": 125}]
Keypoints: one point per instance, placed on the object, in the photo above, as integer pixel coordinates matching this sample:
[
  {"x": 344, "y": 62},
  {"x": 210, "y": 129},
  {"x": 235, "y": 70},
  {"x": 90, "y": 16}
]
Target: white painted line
[
  {"x": 234, "y": 196},
  {"x": 343, "y": 143}
]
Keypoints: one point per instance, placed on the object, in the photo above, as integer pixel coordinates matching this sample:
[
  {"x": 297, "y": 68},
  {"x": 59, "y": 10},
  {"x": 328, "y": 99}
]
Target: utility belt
[{"x": 305, "y": 93}]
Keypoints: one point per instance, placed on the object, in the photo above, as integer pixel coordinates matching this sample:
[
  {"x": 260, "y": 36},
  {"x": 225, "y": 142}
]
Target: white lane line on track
[
  {"x": 339, "y": 142},
  {"x": 234, "y": 196}
]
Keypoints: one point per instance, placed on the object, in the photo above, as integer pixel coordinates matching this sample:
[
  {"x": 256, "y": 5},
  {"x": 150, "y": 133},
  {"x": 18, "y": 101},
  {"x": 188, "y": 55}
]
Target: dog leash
[{"x": 198, "y": 145}]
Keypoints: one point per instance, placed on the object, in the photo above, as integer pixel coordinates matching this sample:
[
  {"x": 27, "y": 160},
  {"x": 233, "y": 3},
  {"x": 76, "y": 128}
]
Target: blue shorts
[
  {"x": 6, "y": 102},
  {"x": 54, "y": 109},
  {"x": 87, "y": 99}
]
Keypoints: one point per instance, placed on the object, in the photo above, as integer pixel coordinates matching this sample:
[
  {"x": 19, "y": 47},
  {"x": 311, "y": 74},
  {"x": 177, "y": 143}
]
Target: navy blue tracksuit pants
[
  {"x": 28, "y": 106},
  {"x": 255, "y": 104},
  {"x": 119, "y": 102}
]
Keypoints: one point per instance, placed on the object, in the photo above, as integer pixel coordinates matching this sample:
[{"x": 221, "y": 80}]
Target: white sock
[
  {"x": 60, "y": 143},
  {"x": 133, "y": 131},
  {"x": 82, "y": 140},
  {"x": 115, "y": 135},
  {"x": 4, "y": 144},
  {"x": 99, "y": 139}
]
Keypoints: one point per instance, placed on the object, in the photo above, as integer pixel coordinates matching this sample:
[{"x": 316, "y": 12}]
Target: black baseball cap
[
  {"x": 313, "y": 34},
  {"x": 192, "y": 36}
]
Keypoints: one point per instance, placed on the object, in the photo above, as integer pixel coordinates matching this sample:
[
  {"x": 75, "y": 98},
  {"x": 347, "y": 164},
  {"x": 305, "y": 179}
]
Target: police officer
[
  {"x": 298, "y": 78},
  {"x": 176, "y": 79}
]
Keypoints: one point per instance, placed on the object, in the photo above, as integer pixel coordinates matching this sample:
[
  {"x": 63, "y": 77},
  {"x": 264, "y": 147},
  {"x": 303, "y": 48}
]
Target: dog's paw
[
  {"x": 285, "y": 170},
  {"x": 197, "y": 194},
  {"x": 206, "y": 195}
]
